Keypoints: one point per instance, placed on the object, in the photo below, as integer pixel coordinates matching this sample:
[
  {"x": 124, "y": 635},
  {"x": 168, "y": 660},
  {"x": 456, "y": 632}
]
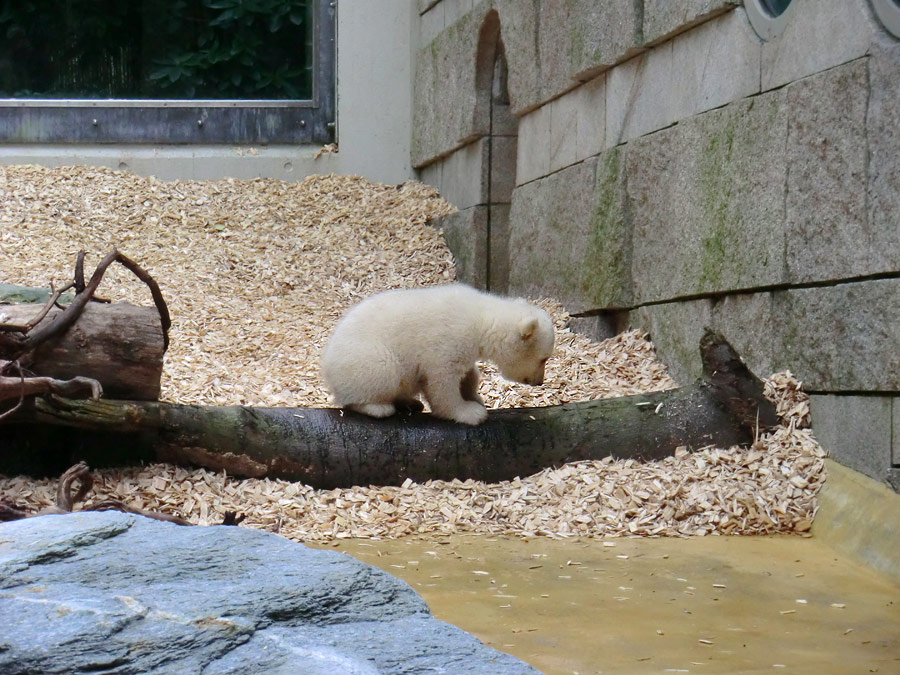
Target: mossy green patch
[
  {"x": 607, "y": 274},
  {"x": 585, "y": 221},
  {"x": 722, "y": 220}
]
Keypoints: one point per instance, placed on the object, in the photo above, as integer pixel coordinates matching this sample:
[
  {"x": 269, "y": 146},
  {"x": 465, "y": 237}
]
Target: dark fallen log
[{"x": 331, "y": 448}]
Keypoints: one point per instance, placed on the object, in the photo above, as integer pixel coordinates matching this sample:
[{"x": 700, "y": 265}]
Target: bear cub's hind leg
[{"x": 468, "y": 386}]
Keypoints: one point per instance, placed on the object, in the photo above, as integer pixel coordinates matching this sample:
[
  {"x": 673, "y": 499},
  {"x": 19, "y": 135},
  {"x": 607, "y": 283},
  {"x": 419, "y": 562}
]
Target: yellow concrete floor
[{"x": 703, "y": 605}]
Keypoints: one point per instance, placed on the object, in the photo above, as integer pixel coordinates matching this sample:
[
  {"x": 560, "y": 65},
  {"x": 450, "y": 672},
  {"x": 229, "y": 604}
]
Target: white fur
[{"x": 393, "y": 346}]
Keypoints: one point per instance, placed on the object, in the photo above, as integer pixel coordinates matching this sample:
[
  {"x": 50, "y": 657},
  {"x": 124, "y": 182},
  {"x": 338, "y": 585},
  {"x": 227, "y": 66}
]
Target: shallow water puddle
[{"x": 702, "y": 605}]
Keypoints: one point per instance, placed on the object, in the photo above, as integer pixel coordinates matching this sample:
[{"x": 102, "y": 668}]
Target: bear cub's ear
[{"x": 527, "y": 329}]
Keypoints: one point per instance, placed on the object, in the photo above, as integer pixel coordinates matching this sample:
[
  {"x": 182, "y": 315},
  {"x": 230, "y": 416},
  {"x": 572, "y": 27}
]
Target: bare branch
[
  {"x": 21, "y": 400},
  {"x": 116, "y": 505},
  {"x": 77, "y": 387},
  {"x": 155, "y": 292},
  {"x": 25, "y": 327},
  {"x": 65, "y": 500}
]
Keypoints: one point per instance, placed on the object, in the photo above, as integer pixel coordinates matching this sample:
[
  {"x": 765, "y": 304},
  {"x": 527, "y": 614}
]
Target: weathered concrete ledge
[
  {"x": 860, "y": 432},
  {"x": 860, "y": 518}
]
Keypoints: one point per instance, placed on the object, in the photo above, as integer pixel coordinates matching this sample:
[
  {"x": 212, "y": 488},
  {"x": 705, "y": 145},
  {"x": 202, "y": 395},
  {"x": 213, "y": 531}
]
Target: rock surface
[{"x": 118, "y": 593}]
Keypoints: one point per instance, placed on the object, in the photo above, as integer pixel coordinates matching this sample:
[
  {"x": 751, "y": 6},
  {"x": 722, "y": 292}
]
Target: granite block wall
[{"x": 675, "y": 170}]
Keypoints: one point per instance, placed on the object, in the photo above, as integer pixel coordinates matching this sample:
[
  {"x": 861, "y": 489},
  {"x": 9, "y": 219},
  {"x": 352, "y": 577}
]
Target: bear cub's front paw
[{"x": 469, "y": 412}]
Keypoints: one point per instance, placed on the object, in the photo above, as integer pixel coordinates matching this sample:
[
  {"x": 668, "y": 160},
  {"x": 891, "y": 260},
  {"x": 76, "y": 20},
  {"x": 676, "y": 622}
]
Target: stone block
[
  {"x": 600, "y": 326},
  {"x": 841, "y": 338},
  {"x": 714, "y": 64},
  {"x": 454, "y": 10},
  {"x": 745, "y": 320},
  {"x": 819, "y": 34},
  {"x": 570, "y": 236},
  {"x": 855, "y": 430},
  {"x": 554, "y": 35},
  {"x": 503, "y": 168},
  {"x": 444, "y": 85},
  {"x": 666, "y": 18},
  {"x": 606, "y": 281},
  {"x": 826, "y": 231},
  {"x": 563, "y": 131},
  {"x": 503, "y": 122},
  {"x": 464, "y": 175},
  {"x": 601, "y": 34},
  {"x": 637, "y": 96},
  {"x": 431, "y": 23},
  {"x": 533, "y": 150},
  {"x": 431, "y": 174},
  {"x": 895, "y": 436},
  {"x": 519, "y": 32},
  {"x": 528, "y": 236},
  {"x": 425, "y": 132},
  {"x": 552, "y": 45},
  {"x": 883, "y": 137},
  {"x": 498, "y": 249},
  {"x": 747, "y": 323},
  {"x": 427, "y": 5},
  {"x": 675, "y": 329},
  {"x": 590, "y": 123},
  {"x": 466, "y": 235},
  {"x": 706, "y": 199}
]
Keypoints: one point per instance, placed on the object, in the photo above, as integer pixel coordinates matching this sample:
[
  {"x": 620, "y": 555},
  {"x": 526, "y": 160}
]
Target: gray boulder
[{"x": 118, "y": 593}]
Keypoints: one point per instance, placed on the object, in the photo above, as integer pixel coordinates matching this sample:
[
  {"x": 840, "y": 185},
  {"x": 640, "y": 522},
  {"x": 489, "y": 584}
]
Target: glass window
[
  {"x": 182, "y": 71},
  {"x": 776, "y": 7}
]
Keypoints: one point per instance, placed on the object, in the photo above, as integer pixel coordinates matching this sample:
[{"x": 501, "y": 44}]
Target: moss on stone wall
[
  {"x": 720, "y": 254},
  {"x": 607, "y": 277}
]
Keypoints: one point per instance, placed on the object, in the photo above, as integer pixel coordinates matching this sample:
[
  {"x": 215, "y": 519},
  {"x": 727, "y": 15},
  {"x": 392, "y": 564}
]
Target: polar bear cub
[{"x": 395, "y": 345}]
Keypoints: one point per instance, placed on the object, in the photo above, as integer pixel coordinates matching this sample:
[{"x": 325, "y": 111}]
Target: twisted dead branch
[{"x": 19, "y": 341}]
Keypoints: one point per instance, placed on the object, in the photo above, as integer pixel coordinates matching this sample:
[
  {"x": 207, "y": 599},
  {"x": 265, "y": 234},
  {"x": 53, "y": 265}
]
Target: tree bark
[
  {"x": 120, "y": 345},
  {"x": 329, "y": 448}
]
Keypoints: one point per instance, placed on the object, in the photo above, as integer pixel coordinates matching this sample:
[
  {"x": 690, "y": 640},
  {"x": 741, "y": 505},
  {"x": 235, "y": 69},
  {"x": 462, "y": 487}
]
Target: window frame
[
  {"x": 888, "y": 13},
  {"x": 187, "y": 122},
  {"x": 767, "y": 26}
]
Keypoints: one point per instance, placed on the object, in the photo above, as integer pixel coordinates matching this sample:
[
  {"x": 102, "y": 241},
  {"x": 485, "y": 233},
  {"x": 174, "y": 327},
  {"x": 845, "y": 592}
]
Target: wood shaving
[{"x": 256, "y": 273}]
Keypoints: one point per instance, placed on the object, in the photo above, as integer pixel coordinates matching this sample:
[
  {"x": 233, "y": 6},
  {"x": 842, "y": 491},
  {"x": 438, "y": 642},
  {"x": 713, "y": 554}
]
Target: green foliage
[
  {"x": 241, "y": 49},
  {"x": 181, "y": 49}
]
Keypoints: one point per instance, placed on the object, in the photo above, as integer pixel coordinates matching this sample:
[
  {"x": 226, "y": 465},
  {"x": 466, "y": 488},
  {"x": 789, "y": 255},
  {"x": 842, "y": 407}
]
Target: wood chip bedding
[{"x": 257, "y": 272}]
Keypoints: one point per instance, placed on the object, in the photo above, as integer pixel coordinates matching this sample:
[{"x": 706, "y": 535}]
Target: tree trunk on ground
[
  {"x": 119, "y": 345},
  {"x": 331, "y": 448}
]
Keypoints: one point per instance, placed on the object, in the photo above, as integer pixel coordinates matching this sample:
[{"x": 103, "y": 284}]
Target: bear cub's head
[{"x": 527, "y": 350}]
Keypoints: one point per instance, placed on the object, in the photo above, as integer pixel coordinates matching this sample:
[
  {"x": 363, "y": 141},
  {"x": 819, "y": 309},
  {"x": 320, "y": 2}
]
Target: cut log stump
[{"x": 120, "y": 345}]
